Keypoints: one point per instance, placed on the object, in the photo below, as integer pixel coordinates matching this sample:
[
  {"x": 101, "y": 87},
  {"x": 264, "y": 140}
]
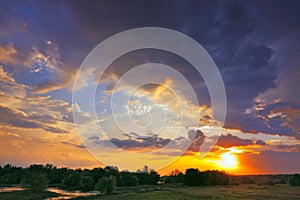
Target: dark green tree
[
  {"x": 72, "y": 181},
  {"x": 295, "y": 180},
  {"x": 35, "y": 181},
  {"x": 86, "y": 183},
  {"x": 192, "y": 177},
  {"x": 107, "y": 185},
  {"x": 128, "y": 179}
]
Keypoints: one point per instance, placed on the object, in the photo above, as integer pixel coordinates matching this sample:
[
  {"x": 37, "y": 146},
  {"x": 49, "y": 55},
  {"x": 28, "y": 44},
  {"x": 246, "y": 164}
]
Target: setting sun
[{"x": 228, "y": 161}]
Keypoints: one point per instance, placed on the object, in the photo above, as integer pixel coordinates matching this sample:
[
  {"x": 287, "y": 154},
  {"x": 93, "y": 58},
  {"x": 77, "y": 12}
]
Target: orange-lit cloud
[{"x": 7, "y": 54}]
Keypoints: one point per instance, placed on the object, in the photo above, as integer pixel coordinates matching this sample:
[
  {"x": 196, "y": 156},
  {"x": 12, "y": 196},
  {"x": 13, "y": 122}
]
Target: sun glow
[{"x": 228, "y": 161}]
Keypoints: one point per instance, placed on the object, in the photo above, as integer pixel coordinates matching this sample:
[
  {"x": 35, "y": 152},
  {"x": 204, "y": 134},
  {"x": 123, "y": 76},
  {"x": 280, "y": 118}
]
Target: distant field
[{"x": 242, "y": 192}]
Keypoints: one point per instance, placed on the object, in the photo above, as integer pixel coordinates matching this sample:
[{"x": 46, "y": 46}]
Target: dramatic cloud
[
  {"x": 231, "y": 141},
  {"x": 141, "y": 142},
  {"x": 7, "y": 54},
  {"x": 197, "y": 138},
  {"x": 16, "y": 118},
  {"x": 254, "y": 44}
]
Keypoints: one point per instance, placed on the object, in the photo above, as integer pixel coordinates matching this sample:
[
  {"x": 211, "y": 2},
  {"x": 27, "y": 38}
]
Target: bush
[
  {"x": 194, "y": 177},
  {"x": 128, "y": 179},
  {"x": 295, "y": 180},
  {"x": 35, "y": 181},
  {"x": 146, "y": 178},
  {"x": 10, "y": 178},
  {"x": 107, "y": 185},
  {"x": 72, "y": 181},
  {"x": 86, "y": 183}
]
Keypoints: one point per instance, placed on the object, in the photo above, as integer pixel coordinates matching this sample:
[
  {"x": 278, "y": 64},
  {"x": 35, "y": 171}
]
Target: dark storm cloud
[
  {"x": 237, "y": 34},
  {"x": 17, "y": 118},
  {"x": 226, "y": 31},
  {"x": 40, "y": 22},
  {"x": 283, "y": 18},
  {"x": 231, "y": 141},
  {"x": 225, "y": 141},
  {"x": 223, "y": 29},
  {"x": 279, "y": 116},
  {"x": 260, "y": 142},
  {"x": 141, "y": 142}
]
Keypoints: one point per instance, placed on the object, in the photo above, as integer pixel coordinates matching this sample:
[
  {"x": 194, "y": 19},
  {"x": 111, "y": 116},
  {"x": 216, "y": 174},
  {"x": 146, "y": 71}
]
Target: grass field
[{"x": 242, "y": 192}]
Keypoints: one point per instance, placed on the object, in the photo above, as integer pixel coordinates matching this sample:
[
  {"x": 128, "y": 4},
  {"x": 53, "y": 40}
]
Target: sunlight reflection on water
[
  {"x": 10, "y": 189},
  {"x": 63, "y": 193},
  {"x": 68, "y": 194}
]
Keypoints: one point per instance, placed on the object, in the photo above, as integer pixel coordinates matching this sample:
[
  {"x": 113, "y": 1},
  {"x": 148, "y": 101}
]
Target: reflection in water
[
  {"x": 63, "y": 193},
  {"x": 10, "y": 189},
  {"x": 68, "y": 195}
]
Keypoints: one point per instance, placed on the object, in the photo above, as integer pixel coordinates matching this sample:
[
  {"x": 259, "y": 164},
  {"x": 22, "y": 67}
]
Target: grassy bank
[
  {"x": 242, "y": 192},
  {"x": 26, "y": 195}
]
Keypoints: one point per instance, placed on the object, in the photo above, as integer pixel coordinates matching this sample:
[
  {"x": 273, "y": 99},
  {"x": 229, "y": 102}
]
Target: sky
[{"x": 254, "y": 44}]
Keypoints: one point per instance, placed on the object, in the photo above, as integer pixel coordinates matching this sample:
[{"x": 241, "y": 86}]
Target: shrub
[
  {"x": 107, "y": 185},
  {"x": 35, "y": 181},
  {"x": 128, "y": 179},
  {"x": 192, "y": 177},
  {"x": 295, "y": 180},
  {"x": 86, "y": 183},
  {"x": 72, "y": 181}
]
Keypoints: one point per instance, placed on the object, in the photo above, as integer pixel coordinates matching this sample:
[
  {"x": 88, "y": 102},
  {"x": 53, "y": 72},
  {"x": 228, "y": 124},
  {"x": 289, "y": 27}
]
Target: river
[{"x": 64, "y": 194}]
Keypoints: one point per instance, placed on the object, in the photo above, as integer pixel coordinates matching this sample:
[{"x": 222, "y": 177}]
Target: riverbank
[
  {"x": 174, "y": 192},
  {"x": 27, "y": 195},
  {"x": 18, "y": 192}
]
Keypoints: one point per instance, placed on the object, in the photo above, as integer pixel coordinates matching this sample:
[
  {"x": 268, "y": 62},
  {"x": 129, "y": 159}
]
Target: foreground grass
[
  {"x": 242, "y": 192},
  {"x": 153, "y": 195},
  {"x": 26, "y": 195}
]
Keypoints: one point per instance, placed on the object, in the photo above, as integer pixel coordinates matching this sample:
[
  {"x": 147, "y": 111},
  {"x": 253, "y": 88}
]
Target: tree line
[
  {"x": 38, "y": 177},
  {"x": 193, "y": 177}
]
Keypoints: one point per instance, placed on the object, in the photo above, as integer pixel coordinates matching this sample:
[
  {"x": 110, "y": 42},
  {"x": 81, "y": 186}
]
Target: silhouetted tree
[
  {"x": 107, "y": 185},
  {"x": 148, "y": 178},
  {"x": 35, "y": 181},
  {"x": 128, "y": 179},
  {"x": 176, "y": 176},
  {"x": 192, "y": 177},
  {"x": 72, "y": 181},
  {"x": 295, "y": 180},
  {"x": 86, "y": 183},
  {"x": 215, "y": 178},
  {"x": 10, "y": 174},
  {"x": 36, "y": 177}
]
